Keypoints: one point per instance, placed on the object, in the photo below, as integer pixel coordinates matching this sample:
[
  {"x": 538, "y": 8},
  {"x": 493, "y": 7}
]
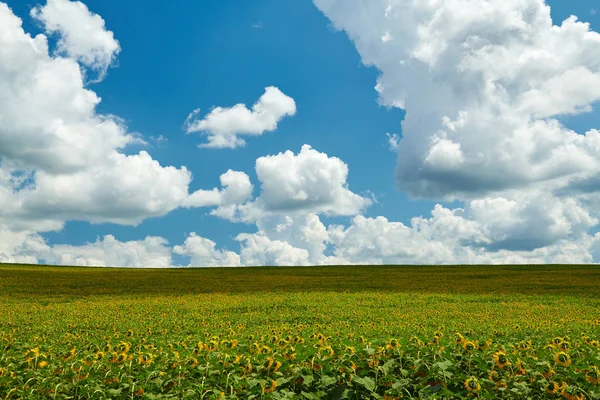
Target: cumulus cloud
[
  {"x": 258, "y": 249},
  {"x": 60, "y": 159},
  {"x": 31, "y": 248},
  {"x": 310, "y": 181},
  {"x": 203, "y": 253},
  {"x": 304, "y": 231},
  {"x": 237, "y": 188},
  {"x": 223, "y": 125},
  {"x": 482, "y": 84},
  {"x": 82, "y": 34}
]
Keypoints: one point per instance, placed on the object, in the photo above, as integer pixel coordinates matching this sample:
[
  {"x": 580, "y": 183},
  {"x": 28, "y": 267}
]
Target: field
[{"x": 489, "y": 332}]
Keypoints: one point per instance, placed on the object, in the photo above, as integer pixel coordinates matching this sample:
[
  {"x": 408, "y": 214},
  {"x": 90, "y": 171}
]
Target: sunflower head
[
  {"x": 500, "y": 359},
  {"x": 552, "y": 388},
  {"x": 472, "y": 384},
  {"x": 557, "y": 340},
  {"x": 593, "y": 375},
  {"x": 562, "y": 358},
  {"x": 469, "y": 346},
  {"x": 269, "y": 387},
  {"x": 525, "y": 345}
]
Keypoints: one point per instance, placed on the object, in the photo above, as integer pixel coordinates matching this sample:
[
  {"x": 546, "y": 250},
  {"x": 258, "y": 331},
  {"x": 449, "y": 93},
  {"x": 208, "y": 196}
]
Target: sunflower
[
  {"x": 192, "y": 362},
  {"x": 562, "y": 358},
  {"x": 69, "y": 354},
  {"x": 121, "y": 358},
  {"x": 272, "y": 386},
  {"x": 129, "y": 333},
  {"x": 254, "y": 347},
  {"x": 268, "y": 363},
  {"x": 520, "y": 368},
  {"x": 500, "y": 359},
  {"x": 552, "y": 388},
  {"x": 469, "y": 346},
  {"x": 525, "y": 345},
  {"x": 43, "y": 364},
  {"x": 123, "y": 347},
  {"x": 459, "y": 339},
  {"x": 494, "y": 376},
  {"x": 593, "y": 376},
  {"x": 571, "y": 393},
  {"x": 278, "y": 365},
  {"x": 548, "y": 372},
  {"x": 557, "y": 340},
  {"x": 472, "y": 384},
  {"x": 144, "y": 359}
]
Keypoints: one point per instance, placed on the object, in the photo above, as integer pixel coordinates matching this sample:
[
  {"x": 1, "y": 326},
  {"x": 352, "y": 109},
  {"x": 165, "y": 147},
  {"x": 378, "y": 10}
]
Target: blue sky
[{"x": 181, "y": 56}]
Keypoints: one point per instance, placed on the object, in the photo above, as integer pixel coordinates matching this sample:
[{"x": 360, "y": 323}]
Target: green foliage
[{"x": 300, "y": 333}]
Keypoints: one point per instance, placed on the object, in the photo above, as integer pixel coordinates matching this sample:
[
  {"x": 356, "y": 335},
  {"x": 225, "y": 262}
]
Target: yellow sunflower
[
  {"x": 552, "y": 388},
  {"x": 593, "y": 376},
  {"x": 472, "y": 384},
  {"x": 469, "y": 346},
  {"x": 500, "y": 359},
  {"x": 562, "y": 358}
]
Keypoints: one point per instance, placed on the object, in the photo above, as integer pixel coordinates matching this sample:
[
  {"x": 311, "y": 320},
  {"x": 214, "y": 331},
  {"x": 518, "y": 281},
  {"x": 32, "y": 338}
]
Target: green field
[{"x": 512, "y": 332}]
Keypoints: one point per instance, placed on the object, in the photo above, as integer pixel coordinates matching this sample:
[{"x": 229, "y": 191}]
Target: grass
[{"x": 319, "y": 332}]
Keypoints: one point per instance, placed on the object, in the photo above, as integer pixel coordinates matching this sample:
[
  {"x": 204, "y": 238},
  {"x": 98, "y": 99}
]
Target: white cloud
[
  {"x": 237, "y": 189},
  {"x": 29, "y": 247},
  {"x": 223, "y": 125},
  {"x": 304, "y": 231},
  {"x": 52, "y": 135},
  {"x": 310, "y": 182},
  {"x": 202, "y": 253},
  {"x": 82, "y": 34},
  {"x": 258, "y": 249},
  {"x": 501, "y": 69},
  {"x": 393, "y": 141}
]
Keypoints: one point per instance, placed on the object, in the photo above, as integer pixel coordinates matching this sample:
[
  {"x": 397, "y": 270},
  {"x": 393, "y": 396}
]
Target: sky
[{"x": 146, "y": 134}]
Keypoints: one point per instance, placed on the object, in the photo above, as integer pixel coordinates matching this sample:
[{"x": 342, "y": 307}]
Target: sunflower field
[{"x": 465, "y": 332}]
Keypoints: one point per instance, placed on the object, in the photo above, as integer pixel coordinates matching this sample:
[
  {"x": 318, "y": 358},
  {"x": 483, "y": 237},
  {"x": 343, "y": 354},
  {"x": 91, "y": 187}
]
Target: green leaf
[
  {"x": 308, "y": 379},
  {"x": 328, "y": 380},
  {"x": 367, "y": 382}
]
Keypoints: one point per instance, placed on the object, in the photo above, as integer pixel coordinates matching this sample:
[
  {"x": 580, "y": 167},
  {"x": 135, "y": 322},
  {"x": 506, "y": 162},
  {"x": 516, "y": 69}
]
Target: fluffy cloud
[
  {"x": 444, "y": 239},
  {"x": 310, "y": 182},
  {"x": 223, "y": 125},
  {"x": 202, "y": 253},
  {"x": 60, "y": 159},
  {"x": 303, "y": 231},
  {"x": 237, "y": 189},
  {"x": 82, "y": 34},
  {"x": 258, "y": 249},
  {"x": 28, "y": 247},
  {"x": 482, "y": 84}
]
